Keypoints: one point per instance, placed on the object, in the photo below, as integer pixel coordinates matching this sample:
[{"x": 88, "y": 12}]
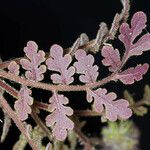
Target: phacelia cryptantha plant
[{"x": 63, "y": 65}]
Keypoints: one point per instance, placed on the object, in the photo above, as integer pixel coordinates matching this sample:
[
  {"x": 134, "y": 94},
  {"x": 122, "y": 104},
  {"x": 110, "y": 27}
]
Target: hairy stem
[
  {"x": 5, "y": 64},
  {"x": 18, "y": 123},
  {"x": 44, "y": 106},
  {"x": 40, "y": 105},
  {"x": 86, "y": 113},
  {"x": 50, "y": 87},
  {"x": 8, "y": 89},
  {"x": 79, "y": 113}
]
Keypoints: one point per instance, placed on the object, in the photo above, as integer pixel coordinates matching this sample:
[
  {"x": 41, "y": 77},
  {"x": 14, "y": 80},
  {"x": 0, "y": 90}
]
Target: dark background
[{"x": 62, "y": 21}]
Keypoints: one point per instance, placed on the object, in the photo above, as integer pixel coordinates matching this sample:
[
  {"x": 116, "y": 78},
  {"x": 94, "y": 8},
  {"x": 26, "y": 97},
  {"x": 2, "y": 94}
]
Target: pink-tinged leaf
[
  {"x": 129, "y": 34},
  {"x": 85, "y": 67},
  {"x": 111, "y": 58},
  {"x": 33, "y": 62},
  {"x": 59, "y": 63},
  {"x": 58, "y": 118},
  {"x": 23, "y": 104},
  {"x": 13, "y": 68},
  {"x": 113, "y": 108},
  {"x": 131, "y": 75},
  {"x": 138, "y": 23},
  {"x": 143, "y": 44}
]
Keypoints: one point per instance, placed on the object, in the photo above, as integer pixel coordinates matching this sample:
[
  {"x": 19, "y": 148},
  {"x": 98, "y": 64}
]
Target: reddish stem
[
  {"x": 18, "y": 123},
  {"x": 50, "y": 87}
]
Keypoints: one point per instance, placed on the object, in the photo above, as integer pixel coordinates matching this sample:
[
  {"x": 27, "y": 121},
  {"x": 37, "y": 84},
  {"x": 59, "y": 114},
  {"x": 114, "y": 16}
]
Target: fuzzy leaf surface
[
  {"x": 113, "y": 108},
  {"x": 58, "y": 117},
  {"x": 59, "y": 63},
  {"x": 129, "y": 34},
  {"x": 111, "y": 58},
  {"x": 85, "y": 67},
  {"x": 13, "y": 68},
  {"x": 33, "y": 62},
  {"x": 132, "y": 74},
  {"x": 22, "y": 105}
]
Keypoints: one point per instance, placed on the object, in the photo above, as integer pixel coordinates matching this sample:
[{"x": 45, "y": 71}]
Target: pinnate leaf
[
  {"x": 137, "y": 109},
  {"x": 58, "y": 118},
  {"x": 33, "y": 62},
  {"x": 13, "y": 68},
  {"x": 22, "y": 105},
  {"x": 111, "y": 58},
  {"x": 85, "y": 67},
  {"x": 140, "y": 110},
  {"x": 59, "y": 63},
  {"x": 113, "y": 108},
  {"x": 131, "y": 75},
  {"x": 128, "y": 96},
  {"x": 143, "y": 44},
  {"x": 129, "y": 34},
  {"x": 21, "y": 143}
]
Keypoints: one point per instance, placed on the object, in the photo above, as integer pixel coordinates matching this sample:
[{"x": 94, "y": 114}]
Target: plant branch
[
  {"x": 44, "y": 106},
  {"x": 14, "y": 93},
  {"x": 8, "y": 89},
  {"x": 86, "y": 113},
  {"x": 50, "y": 87},
  {"x": 41, "y": 105},
  {"x": 18, "y": 123},
  {"x": 5, "y": 64},
  {"x": 79, "y": 113}
]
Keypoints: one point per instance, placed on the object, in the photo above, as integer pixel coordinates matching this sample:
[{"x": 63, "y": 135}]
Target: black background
[{"x": 56, "y": 21}]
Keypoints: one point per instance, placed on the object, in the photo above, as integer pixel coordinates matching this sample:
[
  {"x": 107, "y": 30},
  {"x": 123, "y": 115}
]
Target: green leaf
[
  {"x": 21, "y": 143},
  {"x": 121, "y": 135},
  {"x": 72, "y": 138},
  {"x": 36, "y": 134},
  {"x": 128, "y": 97},
  {"x": 7, "y": 122},
  {"x": 6, "y": 127},
  {"x": 140, "y": 110},
  {"x": 146, "y": 96},
  {"x": 59, "y": 145}
]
